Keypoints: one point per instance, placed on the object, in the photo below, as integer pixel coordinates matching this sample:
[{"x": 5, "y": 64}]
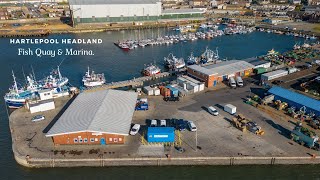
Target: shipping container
[
  {"x": 273, "y": 75},
  {"x": 201, "y": 86},
  {"x": 192, "y": 87},
  {"x": 160, "y": 135},
  {"x": 148, "y": 90},
  {"x": 230, "y": 108},
  {"x": 156, "y": 91},
  {"x": 165, "y": 92},
  {"x": 260, "y": 70},
  {"x": 173, "y": 91}
]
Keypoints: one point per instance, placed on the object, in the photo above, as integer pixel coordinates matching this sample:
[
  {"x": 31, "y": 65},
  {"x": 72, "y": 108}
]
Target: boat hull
[{"x": 15, "y": 104}]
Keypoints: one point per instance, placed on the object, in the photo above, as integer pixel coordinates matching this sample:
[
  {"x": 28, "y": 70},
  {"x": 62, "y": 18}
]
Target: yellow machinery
[
  {"x": 244, "y": 124},
  {"x": 280, "y": 105}
]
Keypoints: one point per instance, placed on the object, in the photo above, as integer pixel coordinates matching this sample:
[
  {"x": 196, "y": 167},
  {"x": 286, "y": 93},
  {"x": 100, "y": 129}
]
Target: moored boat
[{"x": 92, "y": 79}]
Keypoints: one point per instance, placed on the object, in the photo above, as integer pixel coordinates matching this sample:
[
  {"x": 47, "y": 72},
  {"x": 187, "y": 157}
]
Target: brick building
[
  {"x": 101, "y": 117},
  {"x": 215, "y": 73}
]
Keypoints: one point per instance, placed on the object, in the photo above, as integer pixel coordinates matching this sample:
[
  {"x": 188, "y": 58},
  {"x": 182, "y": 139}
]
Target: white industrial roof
[
  {"x": 108, "y": 111},
  {"x": 223, "y": 68},
  {"x": 95, "y": 2},
  {"x": 274, "y": 73},
  {"x": 181, "y": 11}
]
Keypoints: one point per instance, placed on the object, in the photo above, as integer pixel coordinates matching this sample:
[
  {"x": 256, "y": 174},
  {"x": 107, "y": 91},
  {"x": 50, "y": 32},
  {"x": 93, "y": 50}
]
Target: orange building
[
  {"x": 213, "y": 74},
  {"x": 101, "y": 117}
]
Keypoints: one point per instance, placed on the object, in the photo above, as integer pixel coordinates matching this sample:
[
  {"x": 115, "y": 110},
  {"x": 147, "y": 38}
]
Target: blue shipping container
[
  {"x": 174, "y": 91},
  {"x": 160, "y": 134}
]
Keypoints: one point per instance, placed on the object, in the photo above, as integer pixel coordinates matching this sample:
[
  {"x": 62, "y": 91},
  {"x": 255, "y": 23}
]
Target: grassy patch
[{"x": 317, "y": 28}]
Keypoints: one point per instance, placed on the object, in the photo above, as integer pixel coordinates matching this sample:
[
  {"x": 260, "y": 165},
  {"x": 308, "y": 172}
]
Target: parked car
[
  {"x": 174, "y": 99},
  {"x": 135, "y": 129},
  {"x": 213, "y": 111},
  {"x": 38, "y": 118},
  {"x": 181, "y": 125},
  {"x": 163, "y": 123},
  {"x": 192, "y": 126},
  {"x": 153, "y": 123}
]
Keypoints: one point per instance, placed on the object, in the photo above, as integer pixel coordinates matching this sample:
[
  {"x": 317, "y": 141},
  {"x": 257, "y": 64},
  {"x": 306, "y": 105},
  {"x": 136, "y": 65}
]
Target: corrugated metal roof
[
  {"x": 273, "y": 73},
  {"x": 94, "y": 2},
  {"x": 296, "y": 97},
  {"x": 182, "y": 11},
  {"x": 223, "y": 68},
  {"x": 108, "y": 111}
]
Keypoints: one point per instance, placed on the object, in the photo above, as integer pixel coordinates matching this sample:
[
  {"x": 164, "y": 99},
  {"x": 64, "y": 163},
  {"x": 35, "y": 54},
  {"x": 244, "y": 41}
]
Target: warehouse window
[
  {"x": 85, "y": 140},
  {"x": 115, "y": 139},
  {"x": 120, "y": 139},
  {"x": 75, "y": 140},
  {"x": 110, "y": 139},
  {"x": 80, "y": 140},
  {"x": 93, "y": 18},
  {"x": 91, "y": 139}
]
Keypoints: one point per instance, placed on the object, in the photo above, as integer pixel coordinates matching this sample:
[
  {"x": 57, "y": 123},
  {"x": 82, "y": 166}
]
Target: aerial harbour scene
[{"x": 157, "y": 89}]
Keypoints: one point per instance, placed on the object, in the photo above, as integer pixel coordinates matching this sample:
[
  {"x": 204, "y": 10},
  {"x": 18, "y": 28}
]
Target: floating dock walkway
[{"x": 136, "y": 82}]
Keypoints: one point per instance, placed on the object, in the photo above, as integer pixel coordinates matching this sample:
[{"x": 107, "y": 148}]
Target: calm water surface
[{"x": 118, "y": 65}]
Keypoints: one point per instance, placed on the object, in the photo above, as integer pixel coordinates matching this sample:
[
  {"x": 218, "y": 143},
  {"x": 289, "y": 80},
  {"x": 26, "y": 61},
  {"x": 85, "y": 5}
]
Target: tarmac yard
[{"x": 216, "y": 136}]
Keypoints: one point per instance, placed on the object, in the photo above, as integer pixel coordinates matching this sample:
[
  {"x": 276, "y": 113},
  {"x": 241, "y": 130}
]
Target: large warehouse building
[
  {"x": 101, "y": 117},
  {"x": 216, "y": 73},
  {"x": 295, "y": 99},
  {"x": 109, "y": 11},
  {"x": 91, "y": 11}
]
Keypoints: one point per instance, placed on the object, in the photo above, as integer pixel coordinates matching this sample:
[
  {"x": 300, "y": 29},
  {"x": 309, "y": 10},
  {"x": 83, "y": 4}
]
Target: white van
[
  {"x": 239, "y": 81},
  {"x": 232, "y": 82},
  {"x": 163, "y": 123},
  {"x": 153, "y": 123},
  {"x": 213, "y": 111}
]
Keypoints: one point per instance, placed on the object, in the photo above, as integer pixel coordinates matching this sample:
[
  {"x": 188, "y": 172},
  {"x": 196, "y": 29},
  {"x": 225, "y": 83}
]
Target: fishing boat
[
  {"x": 192, "y": 60},
  {"x": 313, "y": 37},
  {"x": 209, "y": 56},
  {"x": 150, "y": 70},
  {"x": 172, "y": 62},
  {"x": 54, "y": 80},
  {"x": 16, "y": 97},
  {"x": 92, "y": 79}
]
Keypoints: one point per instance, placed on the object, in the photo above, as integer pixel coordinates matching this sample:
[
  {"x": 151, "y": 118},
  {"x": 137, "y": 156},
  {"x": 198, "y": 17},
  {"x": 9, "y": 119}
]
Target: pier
[{"x": 135, "y": 82}]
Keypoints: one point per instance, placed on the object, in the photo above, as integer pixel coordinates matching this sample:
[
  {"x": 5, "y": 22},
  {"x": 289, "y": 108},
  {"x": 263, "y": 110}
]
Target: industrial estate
[{"x": 204, "y": 110}]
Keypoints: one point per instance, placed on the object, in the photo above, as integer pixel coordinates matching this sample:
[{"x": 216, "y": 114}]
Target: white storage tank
[
  {"x": 148, "y": 90},
  {"x": 156, "y": 91}
]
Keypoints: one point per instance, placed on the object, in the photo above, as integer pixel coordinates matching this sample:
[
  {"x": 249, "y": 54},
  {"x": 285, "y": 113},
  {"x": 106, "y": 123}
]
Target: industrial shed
[
  {"x": 101, "y": 117},
  {"x": 95, "y": 11},
  {"x": 215, "y": 73},
  {"x": 295, "y": 99}
]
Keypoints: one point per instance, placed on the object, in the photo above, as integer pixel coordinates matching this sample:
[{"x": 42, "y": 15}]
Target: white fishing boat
[
  {"x": 92, "y": 79},
  {"x": 150, "y": 70},
  {"x": 172, "y": 62},
  {"x": 54, "y": 80},
  {"x": 17, "y": 97},
  {"x": 209, "y": 56}
]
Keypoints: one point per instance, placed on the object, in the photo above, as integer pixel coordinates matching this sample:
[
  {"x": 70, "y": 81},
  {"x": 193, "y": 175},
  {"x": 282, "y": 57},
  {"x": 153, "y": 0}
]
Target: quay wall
[{"x": 183, "y": 161}]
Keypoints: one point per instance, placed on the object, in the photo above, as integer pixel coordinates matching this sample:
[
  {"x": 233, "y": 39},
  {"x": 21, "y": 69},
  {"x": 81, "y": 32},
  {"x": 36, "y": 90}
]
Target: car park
[
  {"x": 192, "y": 126},
  {"x": 135, "y": 129},
  {"x": 213, "y": 111}
]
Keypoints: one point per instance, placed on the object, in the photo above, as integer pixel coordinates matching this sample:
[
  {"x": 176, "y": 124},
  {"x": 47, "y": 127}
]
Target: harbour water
[{"x": 119, "y": 65}]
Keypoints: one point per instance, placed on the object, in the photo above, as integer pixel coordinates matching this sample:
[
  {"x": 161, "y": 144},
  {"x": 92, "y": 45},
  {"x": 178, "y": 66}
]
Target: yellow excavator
[{"x": 244, "y": 124}]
